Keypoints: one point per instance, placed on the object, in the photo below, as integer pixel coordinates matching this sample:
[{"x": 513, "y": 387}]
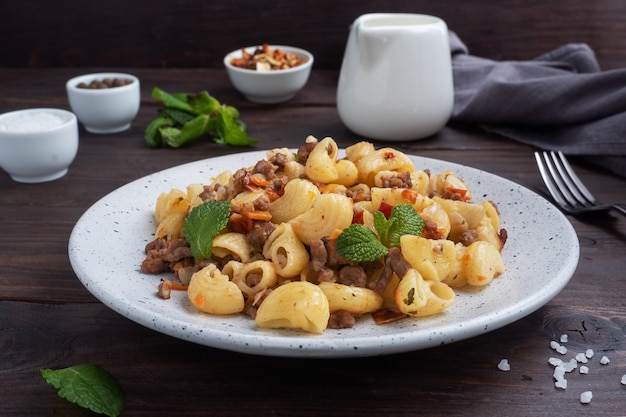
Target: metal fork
[{"x": 566, "y": 188}]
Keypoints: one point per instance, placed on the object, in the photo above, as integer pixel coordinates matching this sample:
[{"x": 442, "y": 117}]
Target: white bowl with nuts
[
  {"x": 105, "y": 102},
  {"x": 269, "y": 73}
]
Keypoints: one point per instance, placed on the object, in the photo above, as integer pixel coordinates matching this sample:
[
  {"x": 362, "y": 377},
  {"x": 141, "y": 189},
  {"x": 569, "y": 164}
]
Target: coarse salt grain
[
  {"x": 586, "y": 397},
  {"x": 584, "y": 370},
  {"x": 563, "y": 338},
  {"x": 604, "y": 360},
  {"x": 555, "y": 361},
  {"x": 582, "y": 358},
  {"x": 623, "y": 381},
  {"x": 504, "y": 365},
  {"x": 570, "y": 366},
  {"x": 559, "y": 348},
  {"x": 30, "y": 122},
  {"x": 589, "y": 353}
]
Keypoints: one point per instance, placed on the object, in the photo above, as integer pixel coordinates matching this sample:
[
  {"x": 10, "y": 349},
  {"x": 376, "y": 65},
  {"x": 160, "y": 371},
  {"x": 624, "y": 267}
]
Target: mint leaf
[
  {"x": 404, "y": 221},
  {"x": 382, "y": 226},
  {"x": 88, "y": 386},
  {"x": 358, "y": 243},
  {"x": 203, "y": 103},
  {"x": 185, "y": 117},
  {"x": 153, "y": 134},
  {"x": 174, "y": 101},
  {"x": 204, "y": 223},
  {"x": 227, "y": 130}
]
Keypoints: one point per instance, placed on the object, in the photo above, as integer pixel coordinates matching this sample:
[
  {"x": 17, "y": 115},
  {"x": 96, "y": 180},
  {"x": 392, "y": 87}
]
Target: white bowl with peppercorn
[
  {"x": 105, "y": 102},
  {"x": 269, "y": 73}
]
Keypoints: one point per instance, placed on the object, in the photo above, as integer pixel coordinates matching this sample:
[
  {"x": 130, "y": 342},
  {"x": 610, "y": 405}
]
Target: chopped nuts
[{"x": 264, "y": 59}]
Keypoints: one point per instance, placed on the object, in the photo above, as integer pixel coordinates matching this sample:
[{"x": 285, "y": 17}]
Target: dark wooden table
[{"x": 49, "y": 320}]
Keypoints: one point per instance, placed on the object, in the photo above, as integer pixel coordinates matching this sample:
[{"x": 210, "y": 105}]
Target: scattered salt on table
[
  {"x": 589, "y": 353},
  {"x": 504, "y": 365},
  {"x": 584, "y": 370},
  {"x": 559, "y": 348},
  {"x": 586, "y": 397},
  {"x": 582, "y": 358},
  {"x": 564, "y": 338},
  {"x": 555, "y": 361},
  {"x": 605, "y": 361}
]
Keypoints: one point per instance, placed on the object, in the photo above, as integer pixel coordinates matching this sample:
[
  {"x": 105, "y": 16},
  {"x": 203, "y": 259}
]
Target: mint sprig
[
  {"x": 360, "y": 244},
  {"x": 204, "y": 223},
  {"x": 184, "y": 117},
  {"x": 88, "y": 386}
]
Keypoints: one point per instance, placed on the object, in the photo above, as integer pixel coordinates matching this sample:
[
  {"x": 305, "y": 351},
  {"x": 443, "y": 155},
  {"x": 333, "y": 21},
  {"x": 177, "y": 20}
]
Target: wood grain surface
[{"x": 49, "y": 320}]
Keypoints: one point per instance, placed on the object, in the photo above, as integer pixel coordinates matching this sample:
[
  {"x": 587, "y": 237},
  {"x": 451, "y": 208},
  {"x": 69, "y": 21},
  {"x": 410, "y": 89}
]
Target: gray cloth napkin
[{"x": 559, "y": 101}]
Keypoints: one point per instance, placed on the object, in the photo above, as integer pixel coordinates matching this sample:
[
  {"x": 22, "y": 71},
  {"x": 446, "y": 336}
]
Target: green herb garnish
[
  {"x": 360, "y": 244},
  {"x": 88, "y": 386},
  {"x": 204, "y": 223},
  {"x": 185, "y": 117}
]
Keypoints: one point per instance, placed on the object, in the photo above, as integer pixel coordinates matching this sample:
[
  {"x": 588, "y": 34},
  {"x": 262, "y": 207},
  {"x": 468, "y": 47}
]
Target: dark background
[{"x": 198, "y": 33}]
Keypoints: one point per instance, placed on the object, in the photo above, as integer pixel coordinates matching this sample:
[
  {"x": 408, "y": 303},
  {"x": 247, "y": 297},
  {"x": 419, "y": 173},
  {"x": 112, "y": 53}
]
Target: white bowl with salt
[{"x": 38, "y": 145}]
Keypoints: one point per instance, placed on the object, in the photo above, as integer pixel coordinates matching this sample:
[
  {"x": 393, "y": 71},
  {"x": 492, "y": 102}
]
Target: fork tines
[{"x": 562, "y": 182}]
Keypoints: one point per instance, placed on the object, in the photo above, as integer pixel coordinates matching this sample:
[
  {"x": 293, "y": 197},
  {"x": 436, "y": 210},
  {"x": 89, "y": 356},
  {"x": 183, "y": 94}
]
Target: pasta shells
[{"x": 295, "y": 305}]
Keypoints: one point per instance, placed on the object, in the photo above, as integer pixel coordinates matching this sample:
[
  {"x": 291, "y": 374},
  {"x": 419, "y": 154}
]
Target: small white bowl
[
  {"x": 104, "y": 110},
  {"x": 269, "y": 87},
  {"x": 37, "y": 145}
]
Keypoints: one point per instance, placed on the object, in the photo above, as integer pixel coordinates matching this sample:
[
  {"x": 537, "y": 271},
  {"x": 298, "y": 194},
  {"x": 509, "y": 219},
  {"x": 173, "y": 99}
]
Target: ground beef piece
[
  {"x": 265, "y": 168},
  {"x": 162, "y": 253},
  {"x": 431, "y": 230},
  {"x": 278, "y": 183},
  {"x": 503, "y": 235},
  {"x": 353, "y": 275},
  {"x": 341, "y": 319},
  {"x": 252, "y": 305},
  {"x": 399, "y": 265},
  {"x": 399, "y": 180},
  {"x": 241, "y": 180},
  {"x": 334, "y": 258},
  {"x": 259, "y": 233},
  {"x": 394, "y": 262},
  {"x": 279, "y": 159},
  {"x": 214, "y": 192},
  {"x": 304, "y": 151},
  {"x": 468, "y": 237},
  {"x": 325, "y": 275},
  {"x": 319, "y": 256},
  {"x": 261, "y": 203}
]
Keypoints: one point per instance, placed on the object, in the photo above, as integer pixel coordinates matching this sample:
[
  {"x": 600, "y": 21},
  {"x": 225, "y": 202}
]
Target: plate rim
[{"x": 265, "y": 342}]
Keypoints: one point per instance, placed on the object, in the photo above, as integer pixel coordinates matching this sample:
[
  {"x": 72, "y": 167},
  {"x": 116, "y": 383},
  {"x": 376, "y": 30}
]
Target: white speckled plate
[{"x": 107, "y": 244}]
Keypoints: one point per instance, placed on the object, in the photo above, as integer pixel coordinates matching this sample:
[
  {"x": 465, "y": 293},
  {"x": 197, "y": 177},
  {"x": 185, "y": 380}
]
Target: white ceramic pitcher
[{"x": 395, "y": 82}]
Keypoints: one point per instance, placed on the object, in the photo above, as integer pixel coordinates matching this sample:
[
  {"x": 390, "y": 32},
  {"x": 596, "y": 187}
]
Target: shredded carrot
[
  {"x": 460, "y": 191},
  {"x": 258, "y": 215},
  {"x": 259, "y": 181},
  {"x": 179, "y": 287},
  {"x": 328, "y": 188},
  {"x": 409, "y": 195}
]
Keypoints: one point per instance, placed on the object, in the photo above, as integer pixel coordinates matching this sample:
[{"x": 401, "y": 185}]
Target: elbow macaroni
[{"x": 318, "y": 199}]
